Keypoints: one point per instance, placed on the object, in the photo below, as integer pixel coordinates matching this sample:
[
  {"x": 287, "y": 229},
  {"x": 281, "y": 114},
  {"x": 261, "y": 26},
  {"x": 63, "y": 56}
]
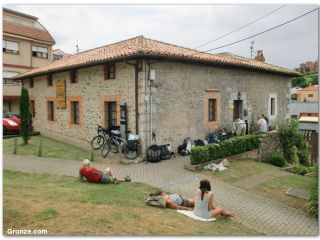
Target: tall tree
[{"x": 25, "y": 116}]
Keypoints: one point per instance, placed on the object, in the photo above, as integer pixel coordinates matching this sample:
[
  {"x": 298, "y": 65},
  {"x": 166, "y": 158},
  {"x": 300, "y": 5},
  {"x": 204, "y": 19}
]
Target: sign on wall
[{"x": 61, "y": 94}]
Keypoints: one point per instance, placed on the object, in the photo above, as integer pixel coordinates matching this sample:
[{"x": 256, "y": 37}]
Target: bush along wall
[{"x": 233, "y": 146}]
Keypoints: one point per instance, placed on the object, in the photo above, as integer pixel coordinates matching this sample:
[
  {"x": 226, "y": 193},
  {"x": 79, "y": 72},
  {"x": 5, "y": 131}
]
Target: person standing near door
[
  {"x": 262, "y": 125},
  {"x": 239, "y": 127}
]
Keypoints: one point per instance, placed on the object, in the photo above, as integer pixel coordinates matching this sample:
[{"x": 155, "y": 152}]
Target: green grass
[
  {"x": 274, "y": 189},
  {"x": 241, "y": 169},
  {"x": 47, "y": 213},
  {"x": 67, "y": 206},
  {"x": 51, "y": 148}
]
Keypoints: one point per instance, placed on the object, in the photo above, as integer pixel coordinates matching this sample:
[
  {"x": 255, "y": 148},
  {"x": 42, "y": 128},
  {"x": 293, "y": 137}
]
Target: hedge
[{"x": 229, "y": 147}]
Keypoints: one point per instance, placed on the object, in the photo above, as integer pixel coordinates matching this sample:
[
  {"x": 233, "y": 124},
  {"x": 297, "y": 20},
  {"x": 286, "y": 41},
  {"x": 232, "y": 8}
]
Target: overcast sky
[{"x": 185, "y": 25}]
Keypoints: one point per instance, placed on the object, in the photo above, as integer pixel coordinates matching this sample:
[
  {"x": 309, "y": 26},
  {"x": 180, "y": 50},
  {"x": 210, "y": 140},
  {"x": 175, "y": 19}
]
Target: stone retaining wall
[{"x": 270, "y": 144}]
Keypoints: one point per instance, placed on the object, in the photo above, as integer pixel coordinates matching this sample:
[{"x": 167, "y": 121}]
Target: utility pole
[{"x": 251, "y": 48}]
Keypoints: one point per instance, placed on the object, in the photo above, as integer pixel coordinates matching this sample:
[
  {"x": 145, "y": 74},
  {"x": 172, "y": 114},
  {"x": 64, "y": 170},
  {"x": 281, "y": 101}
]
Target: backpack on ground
[
  {"x": 165, "y": 153},
  {"x": 212, "y": 137},
  {"x": 155, "y": 201},
  {"x": 182, "y": 149},
  {"x": 199, "y": 142},
  {"x": 153, "y": 153}
]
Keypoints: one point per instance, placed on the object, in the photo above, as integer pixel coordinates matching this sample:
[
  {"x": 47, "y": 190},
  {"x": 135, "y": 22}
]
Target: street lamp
[{"x": 239, "y": 95}]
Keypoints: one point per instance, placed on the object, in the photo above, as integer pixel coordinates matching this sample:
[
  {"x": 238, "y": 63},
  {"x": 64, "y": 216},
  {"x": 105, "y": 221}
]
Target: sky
[{"x": 185, "y": 25}]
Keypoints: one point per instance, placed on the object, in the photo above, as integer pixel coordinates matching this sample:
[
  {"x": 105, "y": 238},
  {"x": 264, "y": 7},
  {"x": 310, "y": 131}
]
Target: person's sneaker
[
  {"x": 127, "y": 179},
  {"x": 115, "y": 181}
]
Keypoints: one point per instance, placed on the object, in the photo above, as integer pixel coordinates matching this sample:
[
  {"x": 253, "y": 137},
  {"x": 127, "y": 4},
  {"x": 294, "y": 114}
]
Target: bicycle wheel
[
  {"x": 114, "y": 147},
  {"x": 97, "y": 142},
  {"x": 129, "y": 154},
  {"x": 105, "y": 150}
]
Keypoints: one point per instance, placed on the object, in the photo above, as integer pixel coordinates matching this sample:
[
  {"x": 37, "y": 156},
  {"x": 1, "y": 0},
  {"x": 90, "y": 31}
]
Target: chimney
[{"x": 259, "y": 57}]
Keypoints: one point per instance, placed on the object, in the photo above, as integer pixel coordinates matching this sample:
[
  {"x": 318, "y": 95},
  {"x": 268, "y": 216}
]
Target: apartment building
[{"x": 26, "y": 44}]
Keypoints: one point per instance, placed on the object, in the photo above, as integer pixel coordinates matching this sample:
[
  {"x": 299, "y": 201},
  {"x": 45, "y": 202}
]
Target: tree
[{"x": 25, "y": 116}]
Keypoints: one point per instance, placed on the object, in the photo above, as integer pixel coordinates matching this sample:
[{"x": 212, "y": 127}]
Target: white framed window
[
  {"x": 40, "y": 52},
  {"x": 10, "y": 47},
  {"x": 272, "y": 106}
]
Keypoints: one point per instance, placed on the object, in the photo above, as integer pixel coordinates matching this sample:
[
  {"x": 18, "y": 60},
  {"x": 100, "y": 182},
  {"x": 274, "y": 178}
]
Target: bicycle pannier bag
[
  {"x": 132, "y": 145},
  {"x": 153, "y": 153},
  {"x": 165, "y": 153}
]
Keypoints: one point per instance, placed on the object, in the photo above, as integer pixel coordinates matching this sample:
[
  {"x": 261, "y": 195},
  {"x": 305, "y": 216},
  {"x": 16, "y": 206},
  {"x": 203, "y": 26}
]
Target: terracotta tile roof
[
  {"x": 310, "y": 88},
  {"x": 25, "y": 31},
  {"x": 308, "y": 119},
  {"x": 145, "y": 47}
]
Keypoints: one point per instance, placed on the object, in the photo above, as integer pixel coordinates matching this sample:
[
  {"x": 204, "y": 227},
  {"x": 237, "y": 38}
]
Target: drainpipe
[
  {"x": 146, "y": 102},
  {"x": 150, "y": 95},
  {"x": 136, "y": 75}
]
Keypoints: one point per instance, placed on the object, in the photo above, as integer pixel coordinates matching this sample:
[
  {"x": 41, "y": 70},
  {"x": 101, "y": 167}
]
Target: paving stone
[{"x": 299, "y": 193}]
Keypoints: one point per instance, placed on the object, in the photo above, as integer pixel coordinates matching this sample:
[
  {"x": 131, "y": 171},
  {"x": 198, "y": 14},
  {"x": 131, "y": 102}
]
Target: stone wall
[
  {"x": 174, "y": 107},
  {"x": 180, "y": 97},
  {"x": 91, "y": 90},
  {"x": 270, "y": 144}
]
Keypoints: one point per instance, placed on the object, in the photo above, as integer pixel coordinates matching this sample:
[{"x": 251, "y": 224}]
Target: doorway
[{"x": 237, "y": 109}]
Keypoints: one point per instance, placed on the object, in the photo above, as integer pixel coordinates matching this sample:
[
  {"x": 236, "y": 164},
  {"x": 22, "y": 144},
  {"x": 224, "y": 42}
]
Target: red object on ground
[
  {"x": 91, "y": 174},
  {"x": 11, "y": 124}
]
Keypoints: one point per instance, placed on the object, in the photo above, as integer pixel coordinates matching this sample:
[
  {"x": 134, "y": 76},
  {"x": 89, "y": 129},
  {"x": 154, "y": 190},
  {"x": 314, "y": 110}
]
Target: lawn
[
  {"x": 241, "y": 169},
  {"x": 67, "y": 206},
  {"x": 274, "y": 188},
  {"x": 51, "y": 148}
]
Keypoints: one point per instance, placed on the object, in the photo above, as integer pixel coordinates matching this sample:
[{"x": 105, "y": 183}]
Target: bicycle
[
  {"x": 98, "y": 141},
  {"x": 130, "y": 148}
]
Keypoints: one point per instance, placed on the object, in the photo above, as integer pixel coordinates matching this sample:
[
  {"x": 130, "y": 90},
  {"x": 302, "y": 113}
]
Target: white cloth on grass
[{"x": 193, "y": 216}]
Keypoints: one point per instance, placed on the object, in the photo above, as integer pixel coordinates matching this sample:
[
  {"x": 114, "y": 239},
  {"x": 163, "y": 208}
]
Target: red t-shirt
[{"x": 91, "y": 174}]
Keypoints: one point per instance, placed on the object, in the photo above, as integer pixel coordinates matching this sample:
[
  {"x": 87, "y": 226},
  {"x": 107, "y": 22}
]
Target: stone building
[
  {"x": 172, "y": 91},
  {"x": 26, "y": 44}
]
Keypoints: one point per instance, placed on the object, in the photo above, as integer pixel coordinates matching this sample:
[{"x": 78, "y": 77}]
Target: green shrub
[
  {"x": 301, "y": 170},
  {"x": 291, "y": 137},
  {"x": 312, "y": 205},
  {"x": 229, "y": 147},
  {"x": 278, "y": 160}
]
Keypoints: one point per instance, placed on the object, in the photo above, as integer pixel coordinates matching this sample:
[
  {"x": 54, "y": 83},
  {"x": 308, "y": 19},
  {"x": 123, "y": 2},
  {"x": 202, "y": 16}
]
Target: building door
[{"x": 237, "y": 109}]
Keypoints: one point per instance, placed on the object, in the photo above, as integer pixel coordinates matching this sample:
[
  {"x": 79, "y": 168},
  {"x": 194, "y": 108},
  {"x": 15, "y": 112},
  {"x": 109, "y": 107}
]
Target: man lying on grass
[
  {"x": 175, "y": 201},
  {"x": 94, "y": 175}
]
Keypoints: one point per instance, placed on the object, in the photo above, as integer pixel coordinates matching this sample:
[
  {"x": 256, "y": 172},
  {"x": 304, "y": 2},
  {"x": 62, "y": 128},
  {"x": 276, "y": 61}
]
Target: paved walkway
[{"x": 262, "y": 214}]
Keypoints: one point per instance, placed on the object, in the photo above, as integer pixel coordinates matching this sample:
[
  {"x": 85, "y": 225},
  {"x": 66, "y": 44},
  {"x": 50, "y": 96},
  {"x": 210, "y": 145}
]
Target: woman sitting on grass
[{"x": 204, "y": 206}]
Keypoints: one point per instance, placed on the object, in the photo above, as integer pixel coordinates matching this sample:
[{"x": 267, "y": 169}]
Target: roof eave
[{"x": 154, "y": 56}]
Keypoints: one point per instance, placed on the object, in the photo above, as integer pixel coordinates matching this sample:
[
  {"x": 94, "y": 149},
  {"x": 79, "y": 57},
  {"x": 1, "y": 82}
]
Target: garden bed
[{"x": 253, "y": 154}]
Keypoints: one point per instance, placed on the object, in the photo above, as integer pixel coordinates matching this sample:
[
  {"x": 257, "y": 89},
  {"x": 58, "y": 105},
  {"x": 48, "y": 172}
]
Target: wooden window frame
[
  {"x": 31, "y": 83},
  {"x": 78, "y": 99},
  {"x": 272, "y": 106},
  {"x": 75, "y": 118},
  {"x": 50, "y": 114},
  {"x": 107, "y": 72},
  {"x": 107, "y": 112},
  {"x": 74, "y": 76},
  {"x": 49, "y": 80},
  {"x": 212, "y": 109}
]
